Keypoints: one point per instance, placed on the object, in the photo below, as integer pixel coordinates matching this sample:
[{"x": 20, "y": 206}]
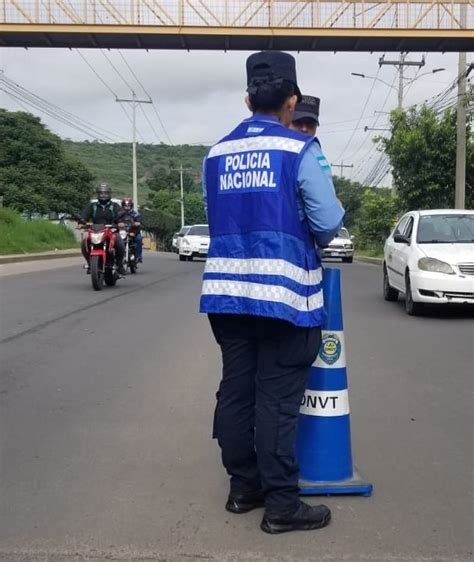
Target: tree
[
  {"x": 376, "y": 217},
  {"x": 422, "y": 152},
  {"x": 194, "y": 209},
  {"x": 350, "y": 193},
  {"x": 161, "y": 224},
  {"x": 162, "y": 179},
  {"x": 158, "y": 180},
  {"x": 36, "y": 175}
]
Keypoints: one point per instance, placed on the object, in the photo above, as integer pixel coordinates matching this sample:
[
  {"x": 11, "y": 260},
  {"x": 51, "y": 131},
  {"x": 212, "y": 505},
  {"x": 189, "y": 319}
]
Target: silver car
[{"x": 341, "y": 246}]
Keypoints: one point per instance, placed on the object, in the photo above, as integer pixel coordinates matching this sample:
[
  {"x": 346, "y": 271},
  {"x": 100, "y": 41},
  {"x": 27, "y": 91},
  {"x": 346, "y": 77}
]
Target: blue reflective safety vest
[{"x": 262, "y": 259}]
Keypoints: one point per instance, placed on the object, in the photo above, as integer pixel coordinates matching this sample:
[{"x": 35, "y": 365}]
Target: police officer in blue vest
[{"x": 270, "y": 202}]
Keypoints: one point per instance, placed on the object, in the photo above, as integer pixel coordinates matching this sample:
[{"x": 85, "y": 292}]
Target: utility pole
[
  {"x": 460, "y": 190},
  {"x": 401, "y": 65},
  {"x": 134, "y": 102},
  {"x": 181, "y": 171},
  {"x": 342, "y": 166},
  {"x": 400, "y": 81}
]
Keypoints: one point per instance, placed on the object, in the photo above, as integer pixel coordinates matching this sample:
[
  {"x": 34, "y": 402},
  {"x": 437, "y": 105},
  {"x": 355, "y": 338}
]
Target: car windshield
[
  {"x": 183, "y": 231},
  {"x": 446, "y": 229},
  {"x": 200, "y": 230},
  {"x": 343, "y": 233}
]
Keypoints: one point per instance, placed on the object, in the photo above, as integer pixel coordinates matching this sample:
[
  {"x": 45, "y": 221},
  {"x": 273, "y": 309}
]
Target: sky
[{"x": 199, "y": 95}]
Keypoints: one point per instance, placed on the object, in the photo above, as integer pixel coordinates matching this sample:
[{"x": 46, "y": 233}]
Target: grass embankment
[
  {"x": 372, "y": 252},
  {"x": 20, "y": 237}
]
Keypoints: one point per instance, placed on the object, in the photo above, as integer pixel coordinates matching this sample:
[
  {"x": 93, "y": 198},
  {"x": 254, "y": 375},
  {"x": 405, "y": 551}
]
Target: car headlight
[
  {"x": 97, "y": 237},
  {"x": 348, "y": 246},
  {"x": 185, "y": 242},
  {"x": 432, "y": 264}
]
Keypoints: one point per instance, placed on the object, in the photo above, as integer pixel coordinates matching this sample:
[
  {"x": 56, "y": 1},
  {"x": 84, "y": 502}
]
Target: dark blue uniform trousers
[{"x": 266, "y": 364}]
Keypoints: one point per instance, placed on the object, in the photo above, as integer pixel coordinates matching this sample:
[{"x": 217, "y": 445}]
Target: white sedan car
[
  {"x": 177, "y": 236},
  {"x": 195, "y": 243},
  {"x": 429, "y": 257},
  {"x": 341, "y": 246}
]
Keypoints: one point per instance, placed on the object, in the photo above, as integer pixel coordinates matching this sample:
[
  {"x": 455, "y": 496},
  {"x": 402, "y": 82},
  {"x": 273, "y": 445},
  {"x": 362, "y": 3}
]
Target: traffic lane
[
  {"x": 30, "y": 300},
  {"x": 412, "y": 414},
  {"x": 119, "y": 458},
  {"x": 96, "y": 415}
]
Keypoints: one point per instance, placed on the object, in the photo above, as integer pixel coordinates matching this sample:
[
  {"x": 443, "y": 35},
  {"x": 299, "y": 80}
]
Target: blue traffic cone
[{"x": 324, "y": 434}]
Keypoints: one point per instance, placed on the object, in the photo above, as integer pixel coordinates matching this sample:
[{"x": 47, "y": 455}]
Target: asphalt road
[{"x": 106, "y": 403}]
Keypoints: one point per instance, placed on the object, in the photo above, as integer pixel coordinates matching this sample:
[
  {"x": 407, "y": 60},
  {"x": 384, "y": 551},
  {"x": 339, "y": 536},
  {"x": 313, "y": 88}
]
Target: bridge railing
[{"x": 289, "y": 14}]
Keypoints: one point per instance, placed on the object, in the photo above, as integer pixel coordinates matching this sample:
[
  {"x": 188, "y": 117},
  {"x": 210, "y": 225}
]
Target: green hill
[{"x": 113, "y": 162}]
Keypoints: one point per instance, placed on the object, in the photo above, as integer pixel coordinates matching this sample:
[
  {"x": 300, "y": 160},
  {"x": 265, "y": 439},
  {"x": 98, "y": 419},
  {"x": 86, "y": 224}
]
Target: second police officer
[
  {"x": 306, "y": 116},
  {"x": 269, "y": 202}
]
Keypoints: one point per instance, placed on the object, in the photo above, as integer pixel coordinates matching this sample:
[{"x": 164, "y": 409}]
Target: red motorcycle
[{"x": 100, "y": 239}]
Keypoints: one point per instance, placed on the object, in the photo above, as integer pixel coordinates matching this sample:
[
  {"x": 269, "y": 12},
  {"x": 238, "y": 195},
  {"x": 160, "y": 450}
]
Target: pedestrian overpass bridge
[{"x": 293, "y": 25}]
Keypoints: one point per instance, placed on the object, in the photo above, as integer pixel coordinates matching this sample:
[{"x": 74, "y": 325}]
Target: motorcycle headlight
[
  {"x": 97, "y": 237},
  {"x": 432, "y": 264},
  {"x": 123, "y": 234}
]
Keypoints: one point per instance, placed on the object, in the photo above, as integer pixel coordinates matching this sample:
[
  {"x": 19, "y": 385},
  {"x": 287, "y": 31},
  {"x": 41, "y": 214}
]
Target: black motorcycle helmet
[{"x": 104, "y": 193}]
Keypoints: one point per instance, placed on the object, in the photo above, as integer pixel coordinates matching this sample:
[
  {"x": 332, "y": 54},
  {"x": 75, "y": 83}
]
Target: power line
[
  {"x": 352, "y": 157},
  {"x": 147, "y": 94},
  {"x": 133, "y": 73},
  {"x": 150, "y": 124},
  {"x": 51, "y": 114},
  {"x": 54, "y": 110},
  {"x": 119, "y": 74},
  {"x": 96, "y": 73},
  {"x": 161, "y": 122},
  {"x": 17, "y": 100},
  {"x": 360, "y": 118},
  {"x": 127, "y": 115}
]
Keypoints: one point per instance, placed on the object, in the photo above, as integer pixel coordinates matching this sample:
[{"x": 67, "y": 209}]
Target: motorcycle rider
[
  {"x": 103, "y": 211},
  {"x": 133, "y": 217}
]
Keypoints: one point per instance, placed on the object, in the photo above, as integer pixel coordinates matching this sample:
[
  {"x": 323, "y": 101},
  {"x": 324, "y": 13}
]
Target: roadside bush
[
  {"x": 18, "y": 236},
  {"x": 375, "y": 219}
]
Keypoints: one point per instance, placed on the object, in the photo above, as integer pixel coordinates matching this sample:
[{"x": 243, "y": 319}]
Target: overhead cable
[{"x": 55, "y": 111}]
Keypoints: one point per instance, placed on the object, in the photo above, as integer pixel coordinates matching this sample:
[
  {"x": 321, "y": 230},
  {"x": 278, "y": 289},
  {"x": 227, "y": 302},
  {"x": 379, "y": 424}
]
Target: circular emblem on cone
[{"x": 330, "y": 349}]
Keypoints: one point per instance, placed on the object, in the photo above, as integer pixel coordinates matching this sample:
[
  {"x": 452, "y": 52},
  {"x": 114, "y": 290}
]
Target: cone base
[{"x": 354, "y": 485}]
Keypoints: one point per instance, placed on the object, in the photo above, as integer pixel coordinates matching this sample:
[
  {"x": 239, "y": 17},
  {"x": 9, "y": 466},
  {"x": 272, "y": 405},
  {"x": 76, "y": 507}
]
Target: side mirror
[
  {"x": 352, "y": 237},
  {"x": 401, "y": 239}
]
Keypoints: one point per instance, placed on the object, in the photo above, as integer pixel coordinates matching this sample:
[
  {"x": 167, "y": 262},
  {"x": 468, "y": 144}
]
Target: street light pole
[
  {"x": 181, "y": 171},
  {"x": 460, "y": 189},
  {"x": 400, "y": 81},
  {"x": 134, "y": 101}
]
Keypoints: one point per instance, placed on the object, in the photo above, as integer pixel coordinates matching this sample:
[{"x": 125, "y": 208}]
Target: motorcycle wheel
[
  {"x": 97, "y": 276},
  {"x": 133, "y": 266},
  {"x": 110, "y": 277}
]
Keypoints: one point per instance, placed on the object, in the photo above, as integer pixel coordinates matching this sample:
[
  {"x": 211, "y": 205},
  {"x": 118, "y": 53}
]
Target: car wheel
[
  {"x": 412, "y": 308},
  {"x": 182, "y": 258},
  {"x": 348, "y": 260},
  {"x": 190, "y": 258},
  {"x": 389, "y": 293}
]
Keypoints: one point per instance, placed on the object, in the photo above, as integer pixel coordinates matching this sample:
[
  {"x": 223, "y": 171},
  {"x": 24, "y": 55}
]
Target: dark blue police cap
[
  {"x": 307, "y": 108},
  {"x": 271, "y": 66}
]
